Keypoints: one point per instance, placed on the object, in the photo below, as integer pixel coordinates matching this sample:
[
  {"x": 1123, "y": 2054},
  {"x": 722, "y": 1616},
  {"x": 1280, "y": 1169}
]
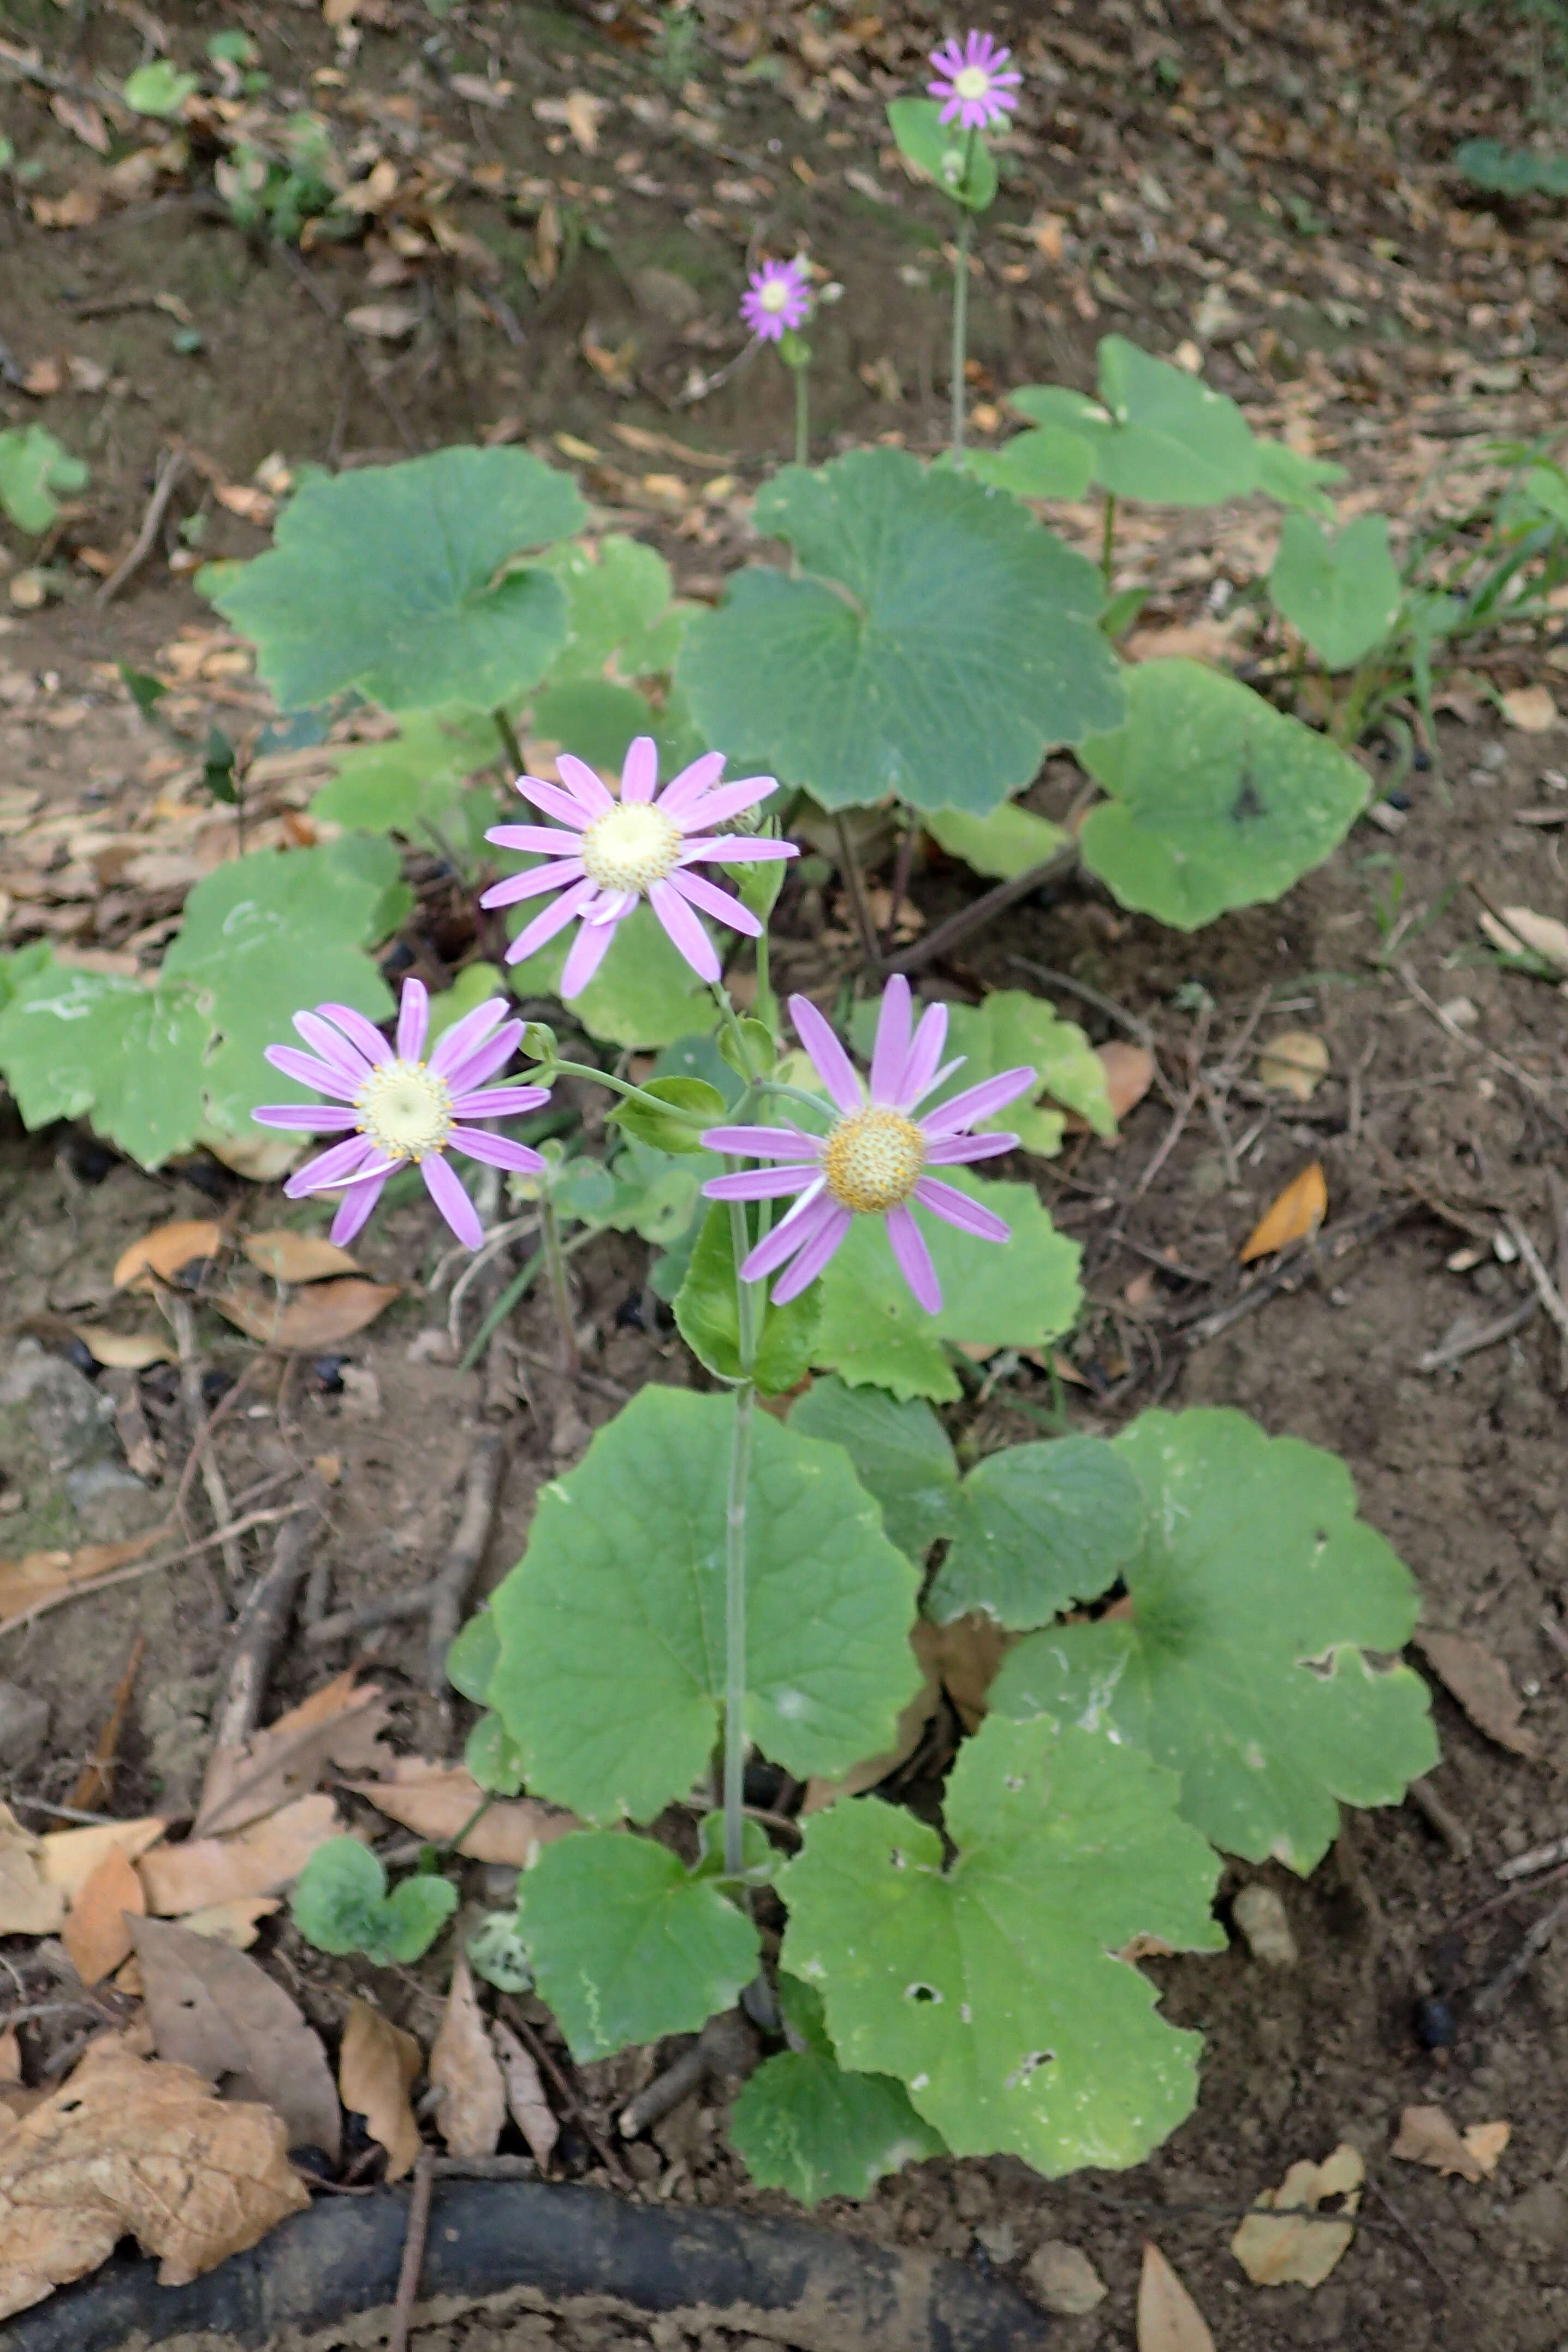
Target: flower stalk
[
  {"x": 559, "y": 1289},
  {"x": 960, "y": 309}
]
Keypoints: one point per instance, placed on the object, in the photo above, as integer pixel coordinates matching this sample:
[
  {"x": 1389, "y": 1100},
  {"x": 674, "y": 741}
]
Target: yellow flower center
[
  {"x": 873, "y": 1160},
  {"x": 974, "y": 81},
  {"x": 405, "y": 1109},
  {"x": 775, "y": 294},
  {"x": 631, "y": 845}
]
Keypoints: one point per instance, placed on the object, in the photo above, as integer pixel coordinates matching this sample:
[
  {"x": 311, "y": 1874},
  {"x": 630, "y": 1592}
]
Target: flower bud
[{"x": 537, "y": 1043}]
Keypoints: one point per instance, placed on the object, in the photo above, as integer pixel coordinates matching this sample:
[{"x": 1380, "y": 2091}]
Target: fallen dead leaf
[
  {"x": 1543, "y": 935},
  {"x": 70, "y": 1857},
  {"x": 166, "y": 1250},
  {"x": 1468, "y": 1673},
  {"x": 1531, "y": 707},
  {"x": 29, "y": 1906},
  {"x": 261, "y": 1860},
  {"x": 236, "y": 1922},
  {"x": 336, "y": 1725},
  {"x": 385, "y": 322},
  {"x": 1426, "y": 2137},
  {"x": 97, "y": 1933},
  {"x": 10, "y": 2060},
  {"x": 296, "y": 1257},
  {"x": 1300, "y": 2248},
  {"x": 326, "y": 1312},
  {"x": 1168, "y": 2318},
  {"x": 478, "y": 91},
  {"x": 1297, "y": 1213},
  {"x": 463, "y": 2069},
  {"x": 42, "y": 1576},
  {"x": 1129, "y": 1074},
  {"x": 378, "y": 2064},
  {"x": 1296, "y": 1062},
  {"x": 966, "y": 1655},
  {"x": 434, "y": 1800},
  {"x": 580, "y": 111},
  {"x": 222, "y": 2015},
  {"x": 124, "y": 1351},
  {"x": 911, "y": 1724},
  {"x": 83, "y": 119},
  {"x": 531, "y": 2110},
  {"x": 131, "y": 2145}
]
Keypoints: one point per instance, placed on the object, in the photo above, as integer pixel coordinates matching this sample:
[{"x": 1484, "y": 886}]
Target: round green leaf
[
  {"x": 1010, "y": 1028},
  {"x": 395, "y": 787},
  {"x": 341, "y": 1904},
  {"x": 471, "y": 1658},
  {"x": 1344, "y": 593},
  {"x": 401, "y": 581},
  {"x": 33, "y": 467},
  {"x": 691, "y": 1100},
  {"x": 625, "y": 1946},
  {"x": 1256, "y": 1596},
  {"x": 989, "y": 1986},
  {"x": 1217, "y": 799},
  {"x": 901, "y": 1453},
  {"x": 621, "y": 621},
  {"x": 941, "y": 150},
  {"x": 1039, "y": 1526},
  {"x": 1172, "y": 440},
  {"x": 804, "y": 2124},
  {"x": 612, "y": 1666},
  {"x": 1014, "y": 1294},
  {"x": 708, "y": 1314},
  {"x": 1290, "y": 479},
  {"x": 1006, "y": 843},
  {"x": 595, "y": 718},
  {"x": 935, "y": 641},
  {"x": 1048, "y": 463},
  {"x": 91, "y": 1045},
  {"x": 644, "y": 994}
]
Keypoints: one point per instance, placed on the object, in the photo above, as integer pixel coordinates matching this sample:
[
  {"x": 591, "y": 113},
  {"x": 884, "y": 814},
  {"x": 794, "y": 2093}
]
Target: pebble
[
  {"x": 1260, "y": 1916},
  {"x": 24, "y": 1725},
  {"x": 999, "y": 2242},
  {"x": 1064, "y": 2280}
]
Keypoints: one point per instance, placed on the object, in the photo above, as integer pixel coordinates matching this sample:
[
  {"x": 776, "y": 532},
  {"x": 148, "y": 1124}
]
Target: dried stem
[
  {"x": 182, "y": 1323},
  {"x": 449, "y": 1591}
]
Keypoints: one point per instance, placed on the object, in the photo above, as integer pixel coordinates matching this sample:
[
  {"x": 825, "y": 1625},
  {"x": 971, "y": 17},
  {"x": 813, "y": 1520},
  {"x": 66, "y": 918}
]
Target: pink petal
[
  {"x": 718, "y": 808},
  {"x": 810, "y": 1261},
  {"x": 788, "y": 1234},
  {"x": 833, "y": 1066},
  {"x": 684, "y": 930},
  {"x": 958, "y": 1150},
  {"x": 533, "y": 884},
  {"x": 557, "y": 804},
  {"x": 925, "y": 1053},
  {"x": 891, "y": 1051},
  {"x": 761, "y": 1183},
  {"x": 503, "y": 1102},
  {"x": 914, "y": 1259},
  {"x": 446, "y": 1190},
  {"x": 338, "y": 1166},
  {"x": 586, "y": 787},
  {"x": 734, "y": 849},
  {"x": 360, "y": 1032},
  {"x": 762, "y": 1142},
  {"x": 554, "y": 919},
  {"x": 545, "y": 840},
  {"x": 717, "y": 903},
  {"x": 413, "y": 1020},
  {"x": 326, "y": 1077},
  {"x": 485, "y": 1059},
  {"x": 333, "y": 1048},
  {"x": 589, "y": 949},
  {"x": 955, "y": 1208},
  {"x": 455, "y": 1045},
  {"x": 639, "y": 770},
  {"x": 979, "y": 1102},
  {"x": 692, "y": 782},
  {"x": 498, "y": 1150},
  {"x": 306, "y": 1119},
  {"x": 354, "y": 1210},
  {"x": 612, "y": 907}
]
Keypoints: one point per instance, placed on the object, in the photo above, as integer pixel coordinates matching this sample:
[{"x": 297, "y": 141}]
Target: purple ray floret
[
  {"x": 778, "y": 297},
  {"x": 976, "y": 90}
]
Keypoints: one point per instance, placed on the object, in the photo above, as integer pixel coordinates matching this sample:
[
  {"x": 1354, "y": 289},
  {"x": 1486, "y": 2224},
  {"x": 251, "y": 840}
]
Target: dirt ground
[{"x": 1415, "y": 335}]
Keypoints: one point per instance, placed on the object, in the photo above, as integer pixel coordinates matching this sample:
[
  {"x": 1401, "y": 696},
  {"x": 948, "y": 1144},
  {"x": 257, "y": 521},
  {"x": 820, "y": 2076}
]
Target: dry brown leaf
[
  {"x": 1532, "y": 709},
  {"x": 43, "y": 1576},
  {"x": 1520, "y": 927},
  {"x": 434, "y": 1800},
  {"x": 1298, "y": 1213},
  {"x": 296, "y": 1257},
  {"x": 385, "y": 323},
  {"x": 1299, "y": 2249},
  {"x": 1296, "y": 1062},
  {"x": 10, "y": 2060},
  {"x": 124, "y": 1351},
  {"x": 966, "y": 1655},
  {"x": 463, "y": 2068},
  {"x": 68, "y": 1858},
  {"x": 326, "y": 1312},
  {"x": 131, "y": 2146},
  {"x": 1468, "y": 1673},
  {"x": 1168, "y": 2318},
  {"x": 1129, "y": 1074},
  {"x": 912, "y": 1721},
  {"x": 336, "y": 1725},
  {"x": 221, "y": 2014},
  {"x": 531, "y": 2110},
  {"x": 236, "y": 1922},
  {"x": 261, "y": 1860},
  {"x": 1426, "y": 2137},
  {"x": 97, "y": 1933},
  {"x": 166, "y": 1251},
  {"x": 29, "y": 1906},
  {"x": 378, "y": 2064},
  {"x": 82, "y": 118}
]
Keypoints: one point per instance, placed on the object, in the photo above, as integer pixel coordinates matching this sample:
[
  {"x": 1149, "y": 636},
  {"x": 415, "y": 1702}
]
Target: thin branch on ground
[
  {"x": 91, "y": 1584},
  {"x": 855, "y": 886},
  {"x": 570, "y": 2099},
  {"x": 1493, "y": 1994},
  {"x": 727, "y": 2045},
  {"x": 1471, "y": 1343},
  {"x": 1439, "y": 1816},
  {"x": 413, "y": 2251},
  {"x": 172, "y": 470},
  {"x": 1534, "y": 1265},
  {"x": 981, "y": 911},
  {"x": 264, "y": 1620},
  {"x": 387, "y": 1609},
  {"x": 183, "y": 1322},
  {"x": 449, "y": 1590}
]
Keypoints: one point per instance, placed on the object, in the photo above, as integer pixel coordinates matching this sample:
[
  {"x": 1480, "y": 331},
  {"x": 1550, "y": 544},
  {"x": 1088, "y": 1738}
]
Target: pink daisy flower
[
  {"x": 778, "y": 296},
  {"x": 642, "y": 845},
  {"x": 400, "y": 1108},
  {"x": 874, "y": 1158},
  {"x": 976, "y": 93}
]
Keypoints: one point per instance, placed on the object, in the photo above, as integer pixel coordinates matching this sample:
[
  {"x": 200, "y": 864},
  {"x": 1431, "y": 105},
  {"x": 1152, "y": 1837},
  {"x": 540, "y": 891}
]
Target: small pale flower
[
  {"x": 643, "y": 845},
  {"x": 876, "y": 1158},
  {"x": 976, "y": 93},
  {"x": 778, "y": 297},
  {"x": 397, "y": 1108}
]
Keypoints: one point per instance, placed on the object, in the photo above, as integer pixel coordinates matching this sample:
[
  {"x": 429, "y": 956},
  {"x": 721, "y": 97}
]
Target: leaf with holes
[
  {"x": 901, "y": 1454},
  {"x": 1342, "y": 592},
  {"x": 1039, "y": 1526},
  {"x": 626, "y": 1945},
  {"x": 934, "y": 640},
  {"x": 989, "y": 1984},
  {"x": 807, "y": 2125},
  {"x": 611, "y": 1673},
  {"x": 1217, "y": 800},
  {"x": 1256, "y": 1595},
  {"x": 408, "y": 581}
]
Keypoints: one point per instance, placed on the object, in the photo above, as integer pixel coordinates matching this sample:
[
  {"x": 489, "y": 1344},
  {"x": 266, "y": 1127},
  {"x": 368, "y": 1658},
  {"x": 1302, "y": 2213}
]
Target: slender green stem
[
  {"x": 560, "y": 1291},
  {"x": 553, "y": 1070},
  {"x": 735, "y": 1553},
  {"x": 510, "y": 743},
  {"x": 766, "y": 1010},
  {"x": 960, "y": 309},
  {"x": 1108, "y": 541},
  {"x": 795, "y": 1094},
  {"x": 453, "y": 1844},
  {"x": 802, "y": 419},
  {"x": 733, "y": 1024}
]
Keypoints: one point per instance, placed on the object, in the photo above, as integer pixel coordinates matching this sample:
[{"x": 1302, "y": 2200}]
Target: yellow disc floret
[
  {"x": 405, "y": 1109},
  {"x": 873, "y": 1160},
  {"x": 630, "y": 847},
  {"x": 973, "y": 83}
]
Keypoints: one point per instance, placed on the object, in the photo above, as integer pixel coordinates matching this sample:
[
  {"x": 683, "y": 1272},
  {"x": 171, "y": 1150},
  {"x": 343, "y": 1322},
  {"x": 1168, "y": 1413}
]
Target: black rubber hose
[{"x": 799, "y": 2285}]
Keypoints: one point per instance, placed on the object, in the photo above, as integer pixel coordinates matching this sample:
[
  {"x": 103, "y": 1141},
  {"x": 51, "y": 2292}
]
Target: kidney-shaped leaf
[
  {"x": 807, "y": 2125},
  {"x": 1171, "y": 439},
  {"x": 990, "y": 1986},
  {"x": 1256, "y": 1596},
  {"x": 611, "y": 1674},
  {"x": 1342, "y": 592},
  {"x": 708, "y": 1314},
  {"x": 1217, "y": 799},
  {"x": 401, "y": 581},
  {"x": 936, "y": 641},
  {"x": 940, "y": 151},
  {"x": 1039, "y": 1526},
  {"x": 901, "y": 1453}
]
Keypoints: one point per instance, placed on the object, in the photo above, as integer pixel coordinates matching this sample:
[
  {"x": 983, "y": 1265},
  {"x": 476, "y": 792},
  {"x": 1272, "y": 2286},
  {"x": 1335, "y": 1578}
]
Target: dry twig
[
  {"x": 170, "y": 471},
  {"x": 449, "y": 1591},
  {"x": 264, "y": 1620},
  {"x": 412, "y": 2250},
  {"x": 182, "y": 1323}
]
